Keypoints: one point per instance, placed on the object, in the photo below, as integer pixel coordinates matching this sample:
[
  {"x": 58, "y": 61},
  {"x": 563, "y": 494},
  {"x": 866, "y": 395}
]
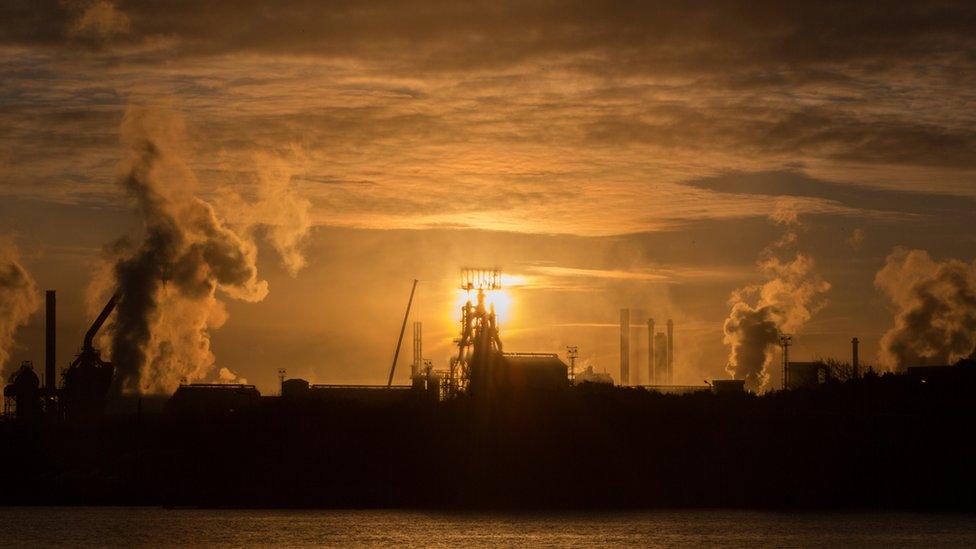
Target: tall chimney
[
  {"x": 418, "y": 349},
  {"x": 624, "y": 346},
  {"x": 651, "y": 380},
  {"x": 670, "y": 352},
  {"x": 50, "y": 338},
  {"x": 854, "y": 365}
]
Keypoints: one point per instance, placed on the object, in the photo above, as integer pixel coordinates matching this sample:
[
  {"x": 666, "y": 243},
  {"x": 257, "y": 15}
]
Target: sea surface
[{"x": 157, "y": 527}]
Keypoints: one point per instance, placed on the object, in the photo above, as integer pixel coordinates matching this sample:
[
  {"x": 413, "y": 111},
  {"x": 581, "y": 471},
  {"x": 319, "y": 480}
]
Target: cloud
[
  {"x": 97, "y": 20},
  {"x": 873, "y": 201}
]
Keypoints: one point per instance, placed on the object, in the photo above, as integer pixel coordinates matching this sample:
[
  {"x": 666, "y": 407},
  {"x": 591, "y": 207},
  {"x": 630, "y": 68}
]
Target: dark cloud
[
  {"x": 794, "y": 183},
  {"x": 776, "y": 130},
  {"x": 712, "y": 33}
]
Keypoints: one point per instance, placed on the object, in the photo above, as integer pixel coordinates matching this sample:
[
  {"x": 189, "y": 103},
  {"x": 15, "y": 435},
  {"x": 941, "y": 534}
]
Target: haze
[{"x": 608, "y": 154}]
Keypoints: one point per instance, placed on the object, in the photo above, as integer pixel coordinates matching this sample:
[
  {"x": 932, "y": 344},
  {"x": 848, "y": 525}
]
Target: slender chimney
[
  {"x": 418, "y": 350},
  {"x": 854, "y": 365},
  {"x": 651, "y": 380},
  {"x": 670, "y": 352},
  {"x": 636, "y": 353},
  {"x": 624, "y": 346},
  {"x": 50, "y": 338}
]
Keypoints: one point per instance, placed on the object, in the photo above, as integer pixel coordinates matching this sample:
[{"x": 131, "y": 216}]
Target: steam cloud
[
  {"x": 169, "y": 281},
  {"x": 18, "y": 299},
  {"x": 790, "y": 296},
  {"x": 935, "y": 322}
]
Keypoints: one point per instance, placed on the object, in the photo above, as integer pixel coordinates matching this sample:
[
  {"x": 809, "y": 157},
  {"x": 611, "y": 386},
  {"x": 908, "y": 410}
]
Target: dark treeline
[{"x": 878, "y": 442}]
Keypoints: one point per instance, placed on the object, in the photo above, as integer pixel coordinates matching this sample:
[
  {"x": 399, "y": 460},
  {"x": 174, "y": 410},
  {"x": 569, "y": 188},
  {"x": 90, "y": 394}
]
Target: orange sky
[{"x": 610, "y": 154}]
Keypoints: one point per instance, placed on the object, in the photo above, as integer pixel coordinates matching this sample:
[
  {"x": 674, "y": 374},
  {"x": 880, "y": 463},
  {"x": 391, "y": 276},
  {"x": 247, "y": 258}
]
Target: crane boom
[{"x": 403, "y": 328}]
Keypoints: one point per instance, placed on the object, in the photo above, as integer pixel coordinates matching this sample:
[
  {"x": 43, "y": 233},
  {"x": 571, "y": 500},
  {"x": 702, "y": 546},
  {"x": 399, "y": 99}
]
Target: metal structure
[
  {"x": 624, "y": 346},
  {"x": 572, "y": 352},
  {"x": 785, "y": 340},
  {"x": 22, "y": 396},
  {"x": 651, "y": 378},
  {"x": 479, "y": 343},
  {"x": 403, "y": 328},
  {"x": 88, "y": 379},
  {"x": 855, "y": 374},
  {"x": 281, "y": 380},
  {"x": 661, "y": 357},
  {"x": 417, "y": 366}
]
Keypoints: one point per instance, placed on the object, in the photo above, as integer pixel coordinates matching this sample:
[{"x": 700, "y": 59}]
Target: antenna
[
  {"x": 785, "y": 340},
  {"x": 572, "y": 351}
]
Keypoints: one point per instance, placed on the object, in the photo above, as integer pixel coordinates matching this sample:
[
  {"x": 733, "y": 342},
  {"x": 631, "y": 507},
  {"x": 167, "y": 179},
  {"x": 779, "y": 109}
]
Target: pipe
[
  {"x": 403, "y": 328},
  {"x": 624, "y": 346},
  {"x": 97, "y": 325},
  {"x": 651, "y": 377},
  {"x": 670, "y": 351}
]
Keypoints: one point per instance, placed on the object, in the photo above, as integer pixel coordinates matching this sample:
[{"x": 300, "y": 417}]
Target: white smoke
[
  {"x": 935, "y": 318},
  {"x": 281, "y": 212},
  {"x": 792, "y": 292},
  {"x": 226, "y": 375},
  {"x": 18, "y": 299},
  {"x": 172, "y": 280}
]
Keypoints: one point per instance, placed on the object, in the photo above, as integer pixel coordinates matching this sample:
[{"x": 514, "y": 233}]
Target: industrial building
[
  {"x": 590, "y": 376},
  {"x": 212, "y": 399},
  {"x": 728, "y": 386}
]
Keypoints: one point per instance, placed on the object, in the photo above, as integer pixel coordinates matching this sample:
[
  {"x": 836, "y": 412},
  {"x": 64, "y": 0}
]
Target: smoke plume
[
  {"x": 18, "y": 299},
  {"x": 170, "y": 280},
  {"x": 281, "y": 213},
  {"x": 935, "y": 319},
  {"x": 791, "y": 294}
]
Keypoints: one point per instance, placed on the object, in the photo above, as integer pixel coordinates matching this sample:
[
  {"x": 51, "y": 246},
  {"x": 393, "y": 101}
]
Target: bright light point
[
  {"x": 502, "y": 302},
  {"x": 501, "y": 299}
]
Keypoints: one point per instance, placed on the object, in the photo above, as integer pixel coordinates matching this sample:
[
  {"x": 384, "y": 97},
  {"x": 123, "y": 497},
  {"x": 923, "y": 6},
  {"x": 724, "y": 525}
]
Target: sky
[{"x": 676, "y": 158}]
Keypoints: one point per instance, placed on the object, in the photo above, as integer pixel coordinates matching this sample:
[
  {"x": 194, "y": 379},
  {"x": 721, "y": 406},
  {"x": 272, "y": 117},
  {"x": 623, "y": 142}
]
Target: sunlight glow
[{"x": 501, "y": 299}]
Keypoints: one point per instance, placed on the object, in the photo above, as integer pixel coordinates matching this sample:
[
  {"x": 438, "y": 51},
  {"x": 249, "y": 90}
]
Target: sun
[{"x": 501, "y": 299}]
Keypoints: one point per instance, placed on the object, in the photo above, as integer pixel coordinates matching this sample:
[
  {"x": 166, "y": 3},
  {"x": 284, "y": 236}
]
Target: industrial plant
[
  {"x": 479, "y": 369},
  {"x": 492, "y": 428}
]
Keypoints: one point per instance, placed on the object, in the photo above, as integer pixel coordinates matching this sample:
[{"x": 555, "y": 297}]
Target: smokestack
[
  {"x": 670, "y": 352},
  {"x": 636, "y": 353},
  {"x": 418, "y": 350},
  {"x": 50, "y": 335},
  {"x": 624, "y": 346},
  {"x": 651, "y": 380},
  {"x": 854, "y": 365}
]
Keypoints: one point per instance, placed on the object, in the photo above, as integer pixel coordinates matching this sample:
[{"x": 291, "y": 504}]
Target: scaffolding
[{"x": 479, "y": 340}]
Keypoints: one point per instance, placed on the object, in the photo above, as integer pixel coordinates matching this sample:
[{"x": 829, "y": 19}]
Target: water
[{"x": 155, "y": 527}]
